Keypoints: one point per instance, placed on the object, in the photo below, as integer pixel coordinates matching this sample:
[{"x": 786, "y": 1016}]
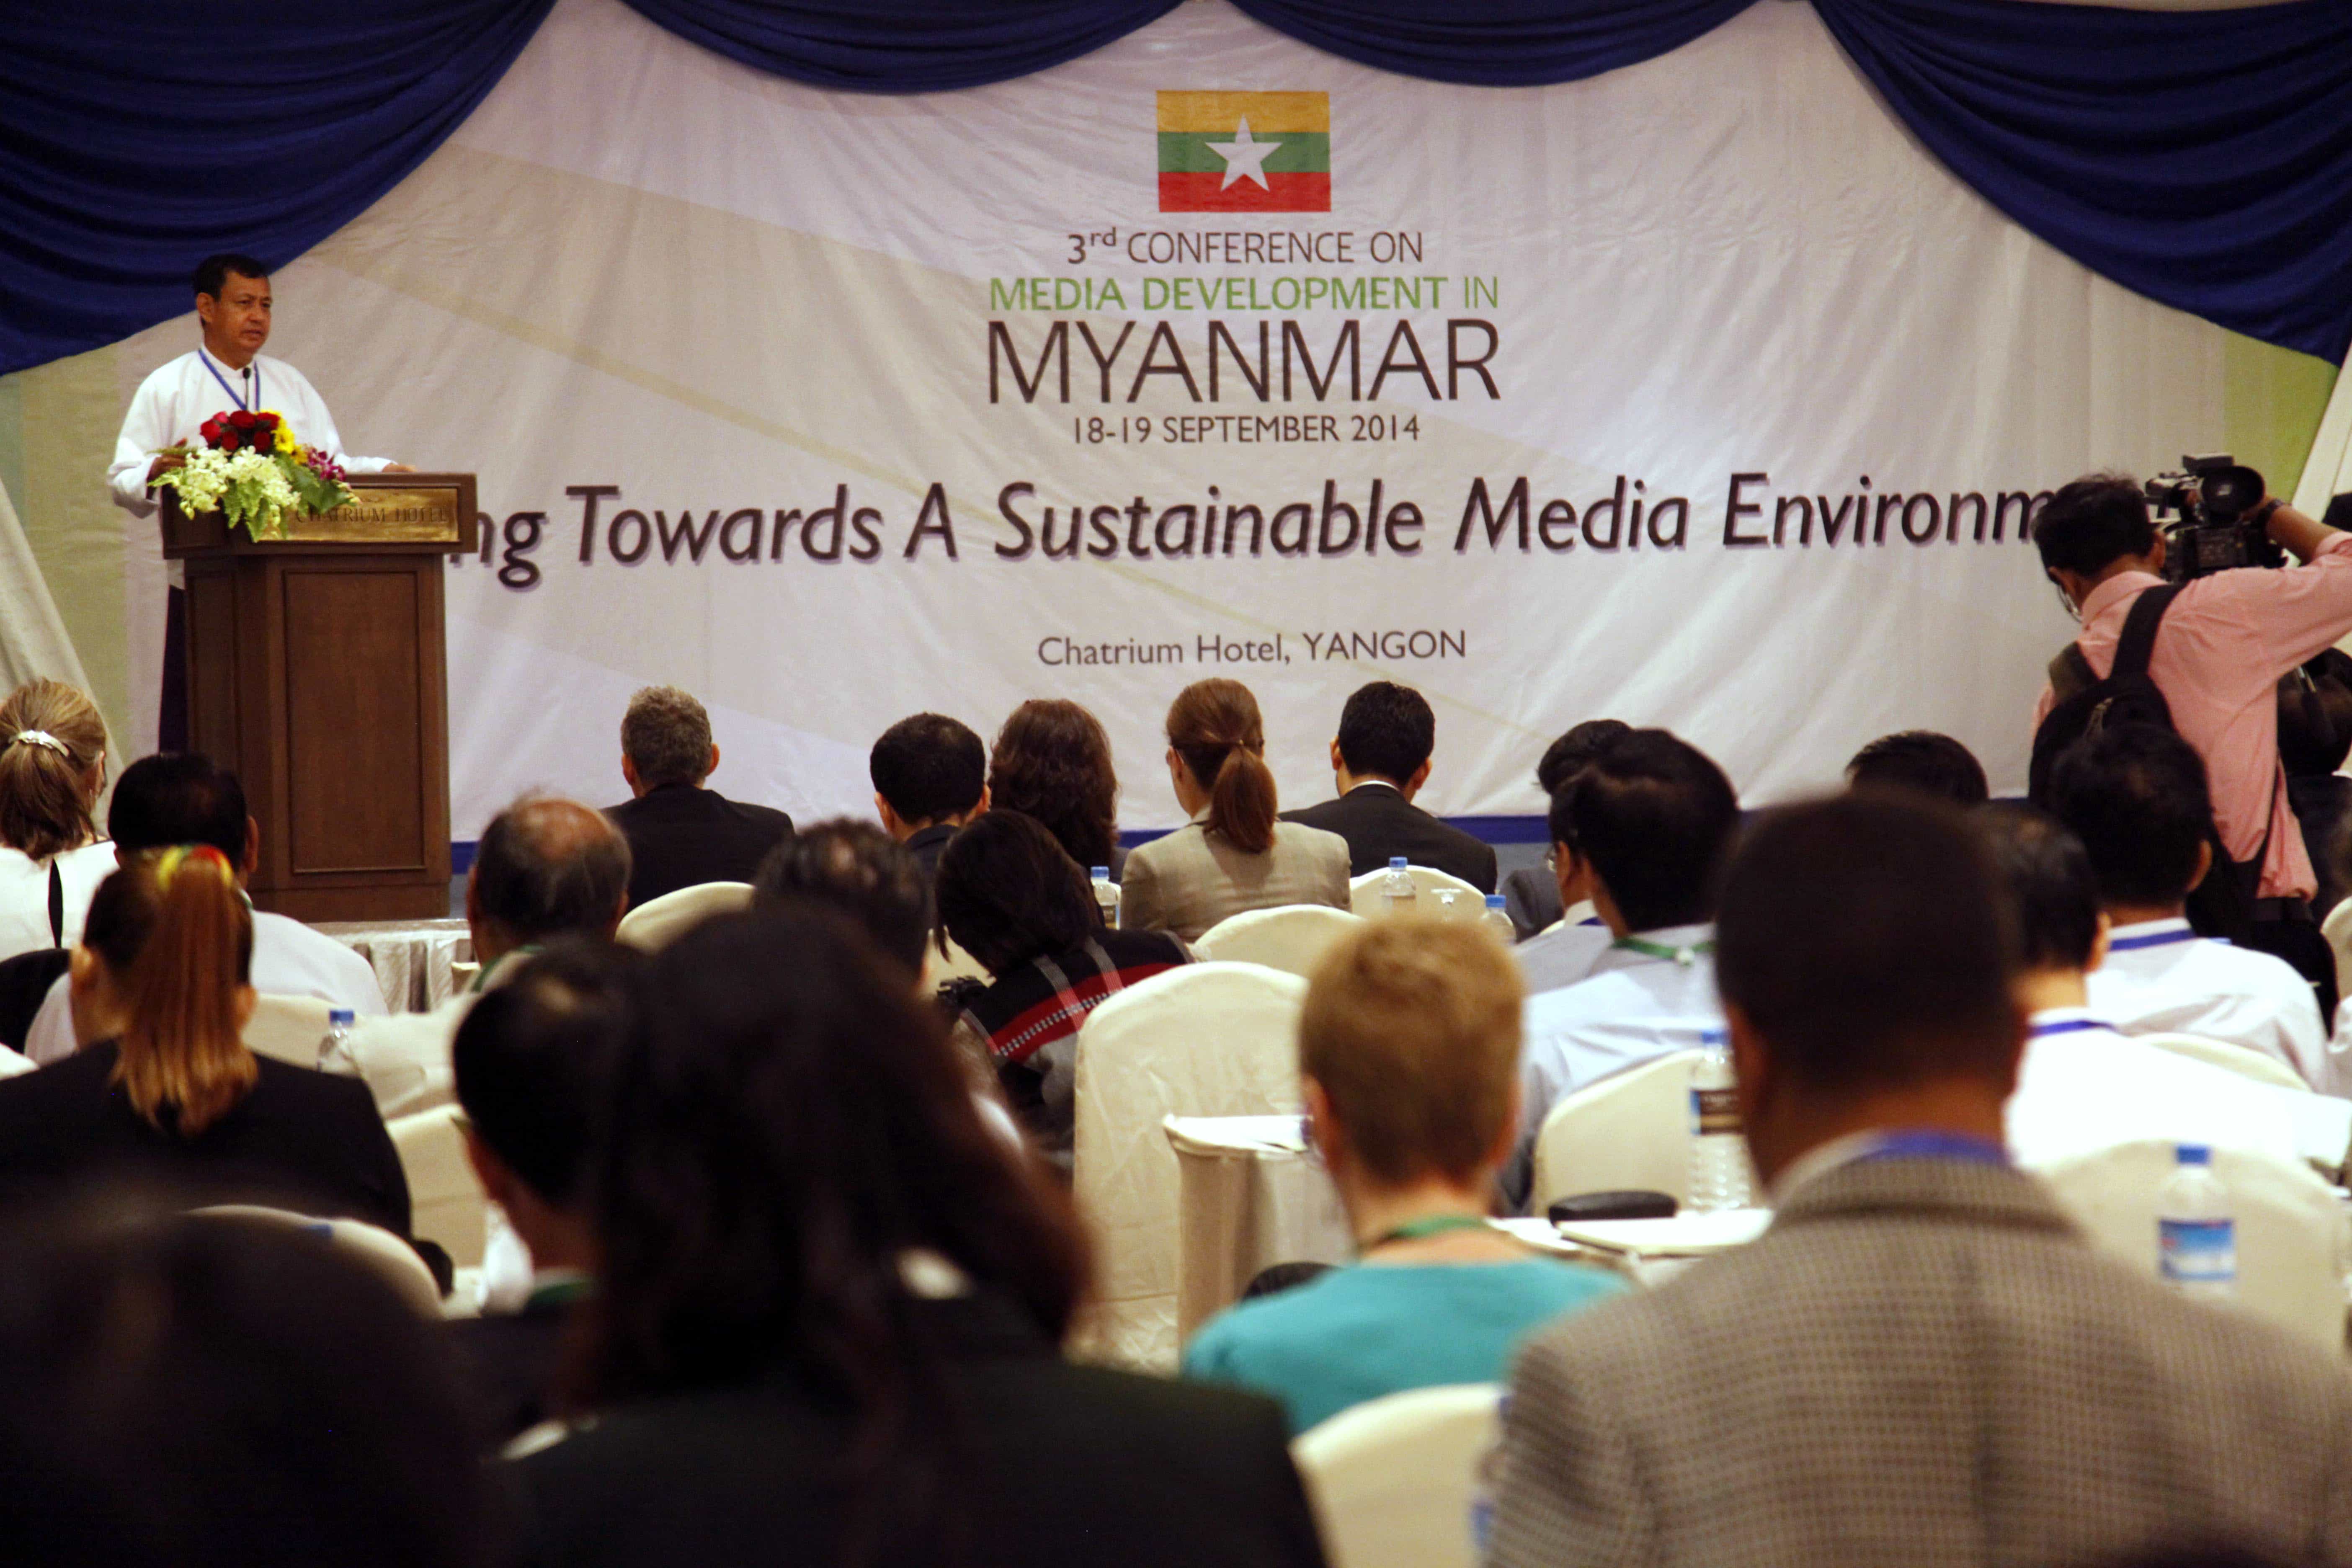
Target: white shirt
[
  {"x": 172, "y": 405},
  {"x": 2161, "y": 978},
  {"x": 2082, "y": 1087},
  {"x": 1562, "y": 956},
  {"x": 1634, "y": 1007},
  {"x": 25, "y": 895},
  {"x": 289, "y": 959}
]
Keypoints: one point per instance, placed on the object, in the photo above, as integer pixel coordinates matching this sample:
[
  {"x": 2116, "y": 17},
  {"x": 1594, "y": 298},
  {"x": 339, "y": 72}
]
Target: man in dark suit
[
  {"x": 1382, "y": 759},
  {"x": 680, "y": 833},
  {"x": 931, "y": 777},
  {"x": 532, "y": 1061}
]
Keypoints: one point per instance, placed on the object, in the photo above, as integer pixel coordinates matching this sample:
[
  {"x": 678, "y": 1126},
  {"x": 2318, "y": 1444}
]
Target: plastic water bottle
[
  {"x": 1106, "y": 895},
  {"x": 1718, "y": 1167},
  {"x": 1398, "y": 892},
  {"x": 1449, "y": 903},
  {"x": 2197, "y": 1238},
  {"x": 335, "y": 1046},
  {"x": 1497, "y": 920}
]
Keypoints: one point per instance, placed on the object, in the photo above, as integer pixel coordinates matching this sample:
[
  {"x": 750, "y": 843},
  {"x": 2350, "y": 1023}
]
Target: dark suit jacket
[
  {"x": 925, "y": 843},
  {"x": 1055, "y": 1463},
  {"x": 309, "y": 1142},
  {"x": 510, "y": 1360},
  {"x": 1533, "y": 899},
  {"x": 1378, "y": 822},
  {"x": 680, "y": 837}
]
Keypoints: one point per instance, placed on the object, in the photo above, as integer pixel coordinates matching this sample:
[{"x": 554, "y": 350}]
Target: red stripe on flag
[{"x": 1206, "y": 193}]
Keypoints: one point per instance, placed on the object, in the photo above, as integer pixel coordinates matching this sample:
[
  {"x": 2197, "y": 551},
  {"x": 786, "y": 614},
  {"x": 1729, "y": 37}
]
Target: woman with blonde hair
[
  {"x": 1233, "y": 854},
  {"x": 164, "y": 1092},
  {"x": 52, "y": 857}
]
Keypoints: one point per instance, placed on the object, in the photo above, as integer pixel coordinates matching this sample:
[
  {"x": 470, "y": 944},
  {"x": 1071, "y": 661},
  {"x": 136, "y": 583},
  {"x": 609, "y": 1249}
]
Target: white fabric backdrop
[{"x": 643, "y": 267}]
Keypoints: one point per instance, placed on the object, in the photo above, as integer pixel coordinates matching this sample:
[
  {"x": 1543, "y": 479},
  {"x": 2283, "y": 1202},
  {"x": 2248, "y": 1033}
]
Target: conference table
[
  {"x": 1251, "y": 1195},
  {"x": 415, "y": 962}
]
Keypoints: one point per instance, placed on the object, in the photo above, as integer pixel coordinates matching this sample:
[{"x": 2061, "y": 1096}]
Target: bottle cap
[
  {"x": 2194, "y": 1155},
  {"x": 1494, "y": 902},
  {"x": 1713, "y": 1036},
  {"x": 340, "y": 1016},
  {"x": 1396, "y": 862},
  {"x": 1099, "y": 873}
]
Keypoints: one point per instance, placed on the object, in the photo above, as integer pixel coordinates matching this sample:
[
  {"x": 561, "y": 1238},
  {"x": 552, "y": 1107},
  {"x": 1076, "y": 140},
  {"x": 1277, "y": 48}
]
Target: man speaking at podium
[{"x": 226, "y": 373}]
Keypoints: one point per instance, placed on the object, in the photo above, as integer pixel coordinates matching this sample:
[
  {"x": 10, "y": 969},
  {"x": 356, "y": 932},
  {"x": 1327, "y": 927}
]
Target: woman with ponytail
[
  {"x": 164, "y": 1089},
  {"x": 1233, "y": 854},
  {"x": 52, "y": 771}
]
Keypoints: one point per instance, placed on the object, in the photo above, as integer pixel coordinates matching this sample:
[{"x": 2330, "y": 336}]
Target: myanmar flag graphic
[{"x": 1244, "y": 152}]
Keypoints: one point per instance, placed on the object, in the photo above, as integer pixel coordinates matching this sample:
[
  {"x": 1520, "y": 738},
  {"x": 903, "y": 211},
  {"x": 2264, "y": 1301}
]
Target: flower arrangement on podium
[{"x": 253, "y": 471}]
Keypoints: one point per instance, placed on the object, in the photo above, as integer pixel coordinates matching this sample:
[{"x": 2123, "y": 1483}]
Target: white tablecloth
[
  {"x": 1249, "y": 1197},
  {"x": 411, "y": 959}
]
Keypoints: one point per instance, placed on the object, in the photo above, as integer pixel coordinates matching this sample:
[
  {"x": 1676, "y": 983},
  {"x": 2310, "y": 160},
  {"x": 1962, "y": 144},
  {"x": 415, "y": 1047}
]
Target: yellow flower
[{"x": 284, "y": 442}]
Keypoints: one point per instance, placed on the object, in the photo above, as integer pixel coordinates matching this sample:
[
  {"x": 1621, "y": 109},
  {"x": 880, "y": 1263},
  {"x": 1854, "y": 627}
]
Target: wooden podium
[{"x": 317, "y": 669}]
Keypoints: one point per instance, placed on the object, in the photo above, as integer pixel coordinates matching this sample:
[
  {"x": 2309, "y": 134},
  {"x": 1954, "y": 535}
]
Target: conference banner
[{"x": 1695, "y": 394}]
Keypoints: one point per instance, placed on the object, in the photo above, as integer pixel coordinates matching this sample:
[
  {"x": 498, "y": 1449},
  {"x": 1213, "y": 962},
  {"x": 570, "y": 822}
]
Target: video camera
[{"x": 2213, "y": 496}]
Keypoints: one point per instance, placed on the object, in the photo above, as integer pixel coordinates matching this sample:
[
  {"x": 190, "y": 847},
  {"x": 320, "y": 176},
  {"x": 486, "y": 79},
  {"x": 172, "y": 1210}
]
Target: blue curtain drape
[
  {"x": 904, "y": 46},
  {"x": 1496, "y": 43},
  {"x": 2203, "y": 158},
  {"x": 136, "y": 138}
]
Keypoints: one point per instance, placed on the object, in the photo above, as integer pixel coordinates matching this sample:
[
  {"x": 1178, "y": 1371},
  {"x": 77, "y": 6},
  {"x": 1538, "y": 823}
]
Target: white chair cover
[
  {"x": 2290, "y": 1227},
  {"x": 288, "y": 1029},
  {"x": 1206, "y": 1039},
  {"x": 1629, "y": 1130},
  {"x": 654, "y": 925},
  {"x": 393, "y": 1259},
  {"x": 2241, "y": 1059},
  {"x": 1393, "y": 1481},
  {"x": 1292, "y": 938},
  {"x": 2337, "y": 929},
  {"x": 1364, "y": 892},
  {"x": 445, "y": 1200}
]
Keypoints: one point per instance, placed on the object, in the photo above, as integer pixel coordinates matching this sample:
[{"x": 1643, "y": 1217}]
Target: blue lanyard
[
  {"x": 2153, "y": 939},
  {"x": 2070, "y": 1027},
  {"x": 235, "y": 397},
  {"x": 1932, "y": 1146}
]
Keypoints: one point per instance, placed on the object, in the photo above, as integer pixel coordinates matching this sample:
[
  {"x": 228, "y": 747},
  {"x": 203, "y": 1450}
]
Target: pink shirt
[{"x": 2223, "y": 646}]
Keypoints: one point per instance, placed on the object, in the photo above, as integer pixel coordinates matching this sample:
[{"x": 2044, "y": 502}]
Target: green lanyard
[
  {"x": 481, "y": 981},
  {"x": 1414, "y": 1230},
  {"x": 1682, "y": 956}
]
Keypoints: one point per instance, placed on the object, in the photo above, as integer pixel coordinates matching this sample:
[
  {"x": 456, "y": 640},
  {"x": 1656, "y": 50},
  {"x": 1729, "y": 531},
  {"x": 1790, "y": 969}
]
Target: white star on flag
[{"x": 1245, "y": 159}]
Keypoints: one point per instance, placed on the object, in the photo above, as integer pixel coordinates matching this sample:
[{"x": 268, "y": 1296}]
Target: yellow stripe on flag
[{"x": 1266, "y": 111}]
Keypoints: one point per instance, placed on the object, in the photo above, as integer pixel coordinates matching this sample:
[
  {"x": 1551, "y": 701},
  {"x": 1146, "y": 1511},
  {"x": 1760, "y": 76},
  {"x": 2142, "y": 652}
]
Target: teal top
[{"x": 1368, "y": 1330}]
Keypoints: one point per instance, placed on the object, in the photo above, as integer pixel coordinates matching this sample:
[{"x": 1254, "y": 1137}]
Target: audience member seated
[
  {"x": 2135, "y": 795},
  {"x": 1923, "y": 1361},
  {"x": 533, "y": 1059},
  {"x": 681, "y": 832},
  {"x": 1654, "y": 818},
  {"x": 160, "y": 802},
  {"x": 931, "y": 777},
  {"x": 1551, "y": 959},
  {"x": 1380, "y": 759},
  {"x": 829, "y": 1304},
  {"x": 2314, "y": 736},
  {"x": 52, "y": 771},
  {"x": 545, "y": 867},
  {"x": 1532, "y": 896},
  {"x": 1233, "y": 855},
  {"x": 166, "y": 1091},
  {"x": 1012, "y": 898},
  {"x": 1924, "y": 762},
  {"x": 1408, "y": 1050},
  {"x": 859, "y": 871},
  {"x": 189, "y": 1390},
  {"x": 1051, "y": 762},
  {"x": 2082, "y": 1087}
]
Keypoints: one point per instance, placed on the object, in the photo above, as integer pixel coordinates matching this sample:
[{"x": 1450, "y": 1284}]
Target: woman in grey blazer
[{"x": 1233, "y": 854}]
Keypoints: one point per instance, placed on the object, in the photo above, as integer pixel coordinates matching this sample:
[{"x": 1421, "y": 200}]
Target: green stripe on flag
[{"x": 1300, "y": 153}]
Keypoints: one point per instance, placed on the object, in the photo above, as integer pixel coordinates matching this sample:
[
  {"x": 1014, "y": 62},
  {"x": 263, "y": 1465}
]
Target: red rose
[
  {"x": 212, "y": 429},
  {"x": 228, "y": 442},
  {"x": 241, "y": 419}
]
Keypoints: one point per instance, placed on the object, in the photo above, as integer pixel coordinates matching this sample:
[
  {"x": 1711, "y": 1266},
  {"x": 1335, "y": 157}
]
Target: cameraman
[{"x": 2219, "y": 654}]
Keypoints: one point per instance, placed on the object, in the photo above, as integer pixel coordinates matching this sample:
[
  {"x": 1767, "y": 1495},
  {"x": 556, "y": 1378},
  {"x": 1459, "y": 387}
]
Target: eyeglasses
[
  {"x": 2066, "y": 601},
  {"x": 1551, "y": 861}
]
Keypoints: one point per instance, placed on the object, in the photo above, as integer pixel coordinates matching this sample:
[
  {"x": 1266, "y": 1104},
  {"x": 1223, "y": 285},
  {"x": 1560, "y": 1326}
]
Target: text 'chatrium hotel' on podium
[{"x": 1245, "y": 151}]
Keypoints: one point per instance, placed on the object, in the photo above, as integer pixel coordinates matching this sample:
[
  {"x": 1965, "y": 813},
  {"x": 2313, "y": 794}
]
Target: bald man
[{"x": 545, "y": 867}]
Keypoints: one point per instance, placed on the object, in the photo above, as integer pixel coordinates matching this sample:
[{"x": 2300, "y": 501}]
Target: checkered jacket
[{"x": 1921, "y": 1364}]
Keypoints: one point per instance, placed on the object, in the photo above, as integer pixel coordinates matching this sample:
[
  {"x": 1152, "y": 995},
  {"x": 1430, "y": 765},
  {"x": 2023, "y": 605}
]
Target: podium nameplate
[{"x": 389, "y": 513}]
